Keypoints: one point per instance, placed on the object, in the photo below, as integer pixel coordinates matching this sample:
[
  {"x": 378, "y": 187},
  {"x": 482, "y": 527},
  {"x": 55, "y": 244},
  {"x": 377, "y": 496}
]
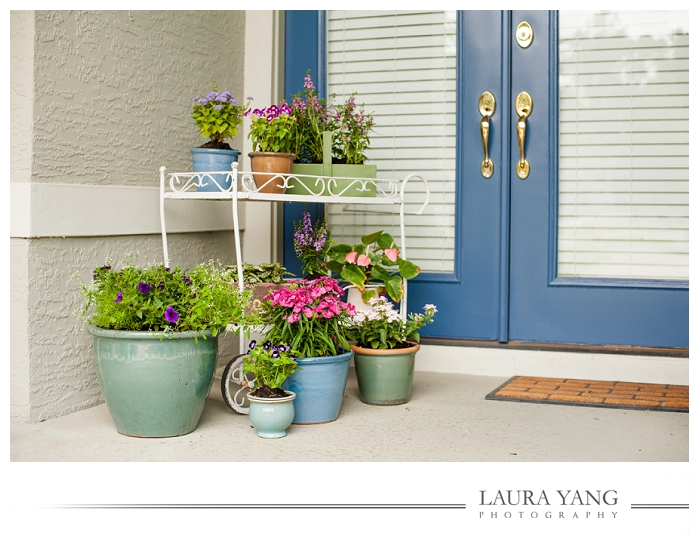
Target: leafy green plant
[
  {"x": 376, "y": 258},
  {"x": 271, "y": 364},
  {"x": 381, "y": 327},
  {"x": 312, "y": 119},
  {"x": 163, "y": 299},
  {"x": 271, "y": 129},
  {"x": 310, "y": 316},
  {"x": 217, "y": 116},
  {"x": 351, "y": 131},
  {"x": 261, "y": 273},
  {"x": 348, "y": 122}
]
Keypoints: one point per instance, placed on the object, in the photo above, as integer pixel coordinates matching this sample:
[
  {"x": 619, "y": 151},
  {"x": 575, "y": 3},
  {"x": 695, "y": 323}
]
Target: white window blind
[
  {"x": 402, "y": 65},
  {"x": 624, "y": 144}
]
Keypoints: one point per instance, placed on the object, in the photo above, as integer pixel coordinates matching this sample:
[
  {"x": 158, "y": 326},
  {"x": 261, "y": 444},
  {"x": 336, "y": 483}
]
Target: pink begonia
[
  {"x": 392, "y": 254},
  {"x": 351, "y": 258},
  {"x": 363, "y": 260}
]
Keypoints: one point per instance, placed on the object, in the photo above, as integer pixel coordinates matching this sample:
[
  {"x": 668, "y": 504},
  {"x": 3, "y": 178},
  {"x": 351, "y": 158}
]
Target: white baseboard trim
[{"x": 554, "y": 364}]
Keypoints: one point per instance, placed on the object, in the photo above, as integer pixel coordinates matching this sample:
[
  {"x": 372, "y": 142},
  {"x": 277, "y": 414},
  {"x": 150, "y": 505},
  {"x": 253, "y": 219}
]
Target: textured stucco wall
[
  {"x": 113, "y": 89},
  {"x": 102, "y": 98},
  {"x": 61, "y": 375}
]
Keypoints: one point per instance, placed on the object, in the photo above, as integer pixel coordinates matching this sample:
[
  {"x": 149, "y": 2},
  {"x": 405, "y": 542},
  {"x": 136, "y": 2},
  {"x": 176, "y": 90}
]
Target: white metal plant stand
[{"x": 327, "y": 190}]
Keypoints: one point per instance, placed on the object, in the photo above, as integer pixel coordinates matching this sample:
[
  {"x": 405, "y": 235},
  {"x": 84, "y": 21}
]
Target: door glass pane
[
  {"x": 402, "y": 65},
  {"x": 624, "y": 144}
]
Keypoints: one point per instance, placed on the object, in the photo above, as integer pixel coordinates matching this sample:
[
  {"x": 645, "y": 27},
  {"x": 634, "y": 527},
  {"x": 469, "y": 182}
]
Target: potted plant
[
  {"x": 155, "y": 332},
  {"x": 271, "y": 407},
  {"x": 311, "y": 245},
  {"x": 271, "y": 133},
  {"x": 261, "y": 279},
  {"x": 217, "y": 116},
  {"x": 331, "y": 141},
  {"x": 312, "y": 318},
  {"x": 384, "y": 351},
  {"x": 375, "y": 259}
]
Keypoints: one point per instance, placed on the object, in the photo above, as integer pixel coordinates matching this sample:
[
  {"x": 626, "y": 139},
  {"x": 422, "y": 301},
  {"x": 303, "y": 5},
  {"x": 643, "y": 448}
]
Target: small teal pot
[
  {"x": 319, "y": 384},
  {"x": 212, "y": 159},
  {"x": 272, "y": 416},
  {"x": 154, "y": 387},
  {"x": 385, "y": 376}
]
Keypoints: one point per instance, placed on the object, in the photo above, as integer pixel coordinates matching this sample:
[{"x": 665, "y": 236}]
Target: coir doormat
[{"x": 561, "y": 391}]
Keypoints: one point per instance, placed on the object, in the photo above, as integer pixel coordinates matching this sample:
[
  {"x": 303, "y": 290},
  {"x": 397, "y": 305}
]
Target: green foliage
[
  {"x": 348, "y": 123},
  {"x": 164, "y": 299},
  {"x": 312, "y": 119},
  {"x": 270, "y": 363},
  {"x": 351, "y": 127},
  {"x": 271, "y": 129},
  {"x": 217, "y": 115},
  {"x": 375, "y": 258},
  {"x": 381, "y": 327},
  {"x": 261, "y": 273},
  {"x": 310, "y": 316}
]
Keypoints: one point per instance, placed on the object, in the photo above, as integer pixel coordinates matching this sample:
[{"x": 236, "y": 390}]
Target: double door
[{"x": 507, "y": 283}]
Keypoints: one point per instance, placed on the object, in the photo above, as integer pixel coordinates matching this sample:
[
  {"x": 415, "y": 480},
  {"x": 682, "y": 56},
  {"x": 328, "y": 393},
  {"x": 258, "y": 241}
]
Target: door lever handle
[
  {"x": 523, "y": 107},
  {"x": 486, "y": 106}
]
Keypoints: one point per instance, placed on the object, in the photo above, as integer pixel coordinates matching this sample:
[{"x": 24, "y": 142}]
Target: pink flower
[
  {"x": 351, "y": 257},
  {"x": 392, "y": 254},
  {"x": 363, "y": 260}
]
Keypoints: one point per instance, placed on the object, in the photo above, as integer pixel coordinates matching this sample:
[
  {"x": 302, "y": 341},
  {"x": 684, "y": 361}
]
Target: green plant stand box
[{"x": 310, "y": 185}]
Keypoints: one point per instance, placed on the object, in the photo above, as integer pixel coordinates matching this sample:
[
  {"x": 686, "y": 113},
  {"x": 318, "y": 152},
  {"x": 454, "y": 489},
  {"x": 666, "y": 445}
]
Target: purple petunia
[
  {"x": 144, "y": 287},
  {"x": 171, "y": 315},
  {"x": 119, "y": 298}
]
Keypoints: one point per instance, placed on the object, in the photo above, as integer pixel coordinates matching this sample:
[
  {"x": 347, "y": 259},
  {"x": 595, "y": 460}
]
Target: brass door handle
[
  {"x": 486, "y": 106},
  {"x": 523, "y": 107}
]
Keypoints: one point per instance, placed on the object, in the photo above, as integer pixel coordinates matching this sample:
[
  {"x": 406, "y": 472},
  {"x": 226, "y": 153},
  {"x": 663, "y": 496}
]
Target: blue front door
[{"x": 505, "y": 285}]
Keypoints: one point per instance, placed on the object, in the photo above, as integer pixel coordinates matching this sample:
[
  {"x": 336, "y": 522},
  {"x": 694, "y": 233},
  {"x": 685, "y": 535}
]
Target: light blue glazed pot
[
  {"x": 212, "y": 159},
  {"x": 319, "y": 384},
  {"x": 154, "y": 387},
  {"x": 272, "y": 416}
]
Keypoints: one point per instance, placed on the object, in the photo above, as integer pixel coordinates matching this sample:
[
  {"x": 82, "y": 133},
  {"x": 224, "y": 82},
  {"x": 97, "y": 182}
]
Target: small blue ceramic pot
[
  {"x": 272, "y": 416},
  {"x": 212, "y": 159}
]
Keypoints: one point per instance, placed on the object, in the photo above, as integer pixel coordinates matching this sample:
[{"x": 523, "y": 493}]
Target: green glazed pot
[
  {"x": 385, "y": 376},
  {"x": 309, "y": 185},
  {"x": 154, "y": 387}
]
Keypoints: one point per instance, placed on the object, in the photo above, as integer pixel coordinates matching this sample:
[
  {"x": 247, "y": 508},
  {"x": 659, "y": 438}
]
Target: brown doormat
[{"x": 561, "y": 391}]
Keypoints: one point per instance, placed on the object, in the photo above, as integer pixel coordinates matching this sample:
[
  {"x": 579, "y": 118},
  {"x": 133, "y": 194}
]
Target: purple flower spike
[
  {"x": 144, "y": 288},
  {"x": 119, "y": 298},
  {"x": 171, "y": 315}
]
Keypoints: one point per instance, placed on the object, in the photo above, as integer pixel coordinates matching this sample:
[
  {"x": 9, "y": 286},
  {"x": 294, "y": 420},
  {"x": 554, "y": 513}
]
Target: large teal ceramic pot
[
  {"x": 385, "y": 376},
  {"x": 213, "y": 159},
  {"x": 319, "y": 384},
  {"x": 154, "y": 387},
  {"x": 272, "y": 416}
]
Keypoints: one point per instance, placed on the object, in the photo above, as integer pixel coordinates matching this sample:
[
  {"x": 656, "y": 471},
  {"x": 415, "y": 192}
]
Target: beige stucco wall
[{"x": 100, "y": 100}]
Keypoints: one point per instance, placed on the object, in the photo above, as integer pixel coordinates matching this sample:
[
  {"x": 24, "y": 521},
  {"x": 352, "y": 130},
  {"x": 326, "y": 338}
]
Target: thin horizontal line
[
  {"x": 261, "y": 506},
  {"x": 659, "y": 506}
]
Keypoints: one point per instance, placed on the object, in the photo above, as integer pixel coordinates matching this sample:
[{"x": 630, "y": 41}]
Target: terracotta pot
[{"x": 270, "y": 162}]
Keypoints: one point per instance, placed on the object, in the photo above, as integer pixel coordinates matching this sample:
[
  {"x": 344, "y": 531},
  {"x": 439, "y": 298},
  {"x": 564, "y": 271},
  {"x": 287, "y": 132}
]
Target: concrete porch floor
[{"x": 446, "y": 420}]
